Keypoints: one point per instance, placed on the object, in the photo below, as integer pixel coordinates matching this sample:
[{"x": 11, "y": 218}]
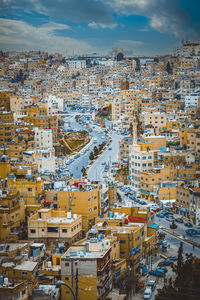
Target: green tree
[
  {"x": 91, "y": 157},
  {"x": 173, "y": 226},
  {"x": 96, "y": 151},
  {"x": 83, "y": 171},
  {"x": 185, "y": 284}
]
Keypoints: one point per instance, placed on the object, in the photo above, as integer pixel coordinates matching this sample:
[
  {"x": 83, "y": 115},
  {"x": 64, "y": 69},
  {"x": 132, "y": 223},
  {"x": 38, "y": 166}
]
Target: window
[
  {"x": 122, "y": 241},
  {"x": 24, "y": 273},
  {"x": 150, "y": 164},
  {"x": 23, "y": 292},
  {"x": 90, "y": 209},
  {"x": 52, "y": 229},
  {"x": 144, "y": 165},
  {"x": 29, "y": 189},
  {"x": 95, "y": 207},
  {"x": 64, "y": 230},
  {"x": 89, "y": 199},
  {"x": 32, "y": 231},
  {"x": 66, "y": 265}
]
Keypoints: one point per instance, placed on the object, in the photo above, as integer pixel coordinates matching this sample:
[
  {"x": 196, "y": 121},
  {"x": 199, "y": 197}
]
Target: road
[
  {"x": 107, "y": 157},
  {"x": 181, "y": 228},
  {"x": 74, "y": 168}
]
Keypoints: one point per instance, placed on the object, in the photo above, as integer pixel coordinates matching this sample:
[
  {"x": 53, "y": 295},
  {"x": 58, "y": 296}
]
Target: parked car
[
  {"x": 160, "y": 272},
  {"x": 173, "y": 258},
  {"x": 192, "y": 232},
  {"x": 151, "y": 284},
  {"x": 147, "y": 293},
  {"x": 166, "y": 262},
  {"x": 160, "y": 215},
  {"x": 188, "y": 224},
  {"x": 178, "y": 220}
]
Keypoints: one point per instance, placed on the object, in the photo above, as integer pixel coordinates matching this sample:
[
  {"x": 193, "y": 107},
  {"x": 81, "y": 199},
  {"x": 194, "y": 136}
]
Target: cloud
[
  {"x": 165, "y": 16},
  {"x": 19, "y": 35},
  {"x": 95, "y": 25},
  {"x": 129, "y": 44},
  {"x": 76, "y": 10}
]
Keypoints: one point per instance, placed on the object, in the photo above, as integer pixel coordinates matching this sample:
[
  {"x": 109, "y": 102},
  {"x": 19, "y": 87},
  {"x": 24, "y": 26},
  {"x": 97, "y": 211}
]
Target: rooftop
[{"x": 26, "y": 266}]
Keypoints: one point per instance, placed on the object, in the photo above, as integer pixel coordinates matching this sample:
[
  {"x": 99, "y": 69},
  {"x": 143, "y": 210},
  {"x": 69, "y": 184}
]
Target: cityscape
[{"x": 99, "y": 153}]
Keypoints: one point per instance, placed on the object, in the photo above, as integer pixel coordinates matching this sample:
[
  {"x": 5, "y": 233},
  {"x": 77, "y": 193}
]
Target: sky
[{"x": 144, "y": 27}]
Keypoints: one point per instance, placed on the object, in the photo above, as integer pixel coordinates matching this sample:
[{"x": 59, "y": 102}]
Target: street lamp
[{"x": 60, "y": 282}]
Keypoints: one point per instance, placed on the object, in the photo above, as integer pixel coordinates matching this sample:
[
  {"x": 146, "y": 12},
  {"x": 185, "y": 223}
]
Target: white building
[
  {"x": 45, "y": 159},
  {"x": 76, "y": 64},
  {"x": 54, "y": 104},
  {"x": 192, "y": 100},
  {"x": 43, "y": 138},
  {"x": 139, "y": 160}
]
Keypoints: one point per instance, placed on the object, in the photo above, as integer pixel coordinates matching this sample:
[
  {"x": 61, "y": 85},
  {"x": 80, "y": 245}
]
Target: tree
[
  {"x": 96, "y": 151},
  {"x": 91, "y": 157},
  {"x": 83, "y": 171},
  {"x": 169, "y": 68},
  {"x": 185, "y": 284},
  {"x": 173, "y": 226}
]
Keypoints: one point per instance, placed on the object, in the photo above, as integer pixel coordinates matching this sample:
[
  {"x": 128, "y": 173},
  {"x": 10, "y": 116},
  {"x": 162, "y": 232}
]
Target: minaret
[{"x": 134, "y": 130}]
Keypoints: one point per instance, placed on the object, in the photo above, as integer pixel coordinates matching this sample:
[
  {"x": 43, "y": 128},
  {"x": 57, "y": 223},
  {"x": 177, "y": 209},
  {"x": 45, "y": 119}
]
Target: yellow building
[
  {"x": 12, "y": 213},
  {"x": 149, "y": 180},
  {"x": 82, "y": 200},
  {"x": 39, "y": 118},
  {"x": 87, "y": 270},
  {"x": 17, "y": 290},
  {"x": 31, "y": 188},
  {"x": 51, "y": 226}
]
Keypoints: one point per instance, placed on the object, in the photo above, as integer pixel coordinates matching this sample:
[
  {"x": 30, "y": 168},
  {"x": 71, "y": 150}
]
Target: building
[
  {"x": 87, "y": 270},
  {"x": 192, "y": 100},
  {"x": 44, "y": 158},
  {"x": 52, "y": 226},
  {"x": 141, "y": 158},
  {"x": 43, "y": 138},
  {"x": 12, "y": 214}
]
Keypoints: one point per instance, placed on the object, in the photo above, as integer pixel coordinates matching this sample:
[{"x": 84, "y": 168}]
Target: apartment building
[
  {"x": 141, "y": 158},
  {"x": 53, "y": 226},
  {"x": 87, "y": 270},
  {"x": 43, "y": 138}
]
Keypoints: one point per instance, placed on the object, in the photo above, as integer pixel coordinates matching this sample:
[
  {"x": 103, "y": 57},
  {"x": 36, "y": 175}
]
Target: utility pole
[{"x": 76, "y": 279}]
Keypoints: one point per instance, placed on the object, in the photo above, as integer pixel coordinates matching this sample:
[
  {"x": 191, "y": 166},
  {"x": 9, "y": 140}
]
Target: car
[
  {"x": 160, "y": 215},
  {"x": 173, "y": 258},
  {"x": 147, "y": 293},
  {"x": 191, "y": 232},
  {"x": 169, "y": 219},
  {"x": 151, "y": 284},
  {"x": 188, "y": 224},
  {"x": 160, "y": 272},
  {"x": 178, "y": 220},
  {"x": 166, "y": 262}
]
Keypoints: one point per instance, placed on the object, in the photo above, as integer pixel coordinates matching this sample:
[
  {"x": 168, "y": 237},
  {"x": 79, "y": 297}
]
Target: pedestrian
[{"x": 193, "y": 247}]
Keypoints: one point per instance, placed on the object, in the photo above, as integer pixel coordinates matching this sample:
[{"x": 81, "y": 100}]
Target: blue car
[{"x": 191, "y": 232}]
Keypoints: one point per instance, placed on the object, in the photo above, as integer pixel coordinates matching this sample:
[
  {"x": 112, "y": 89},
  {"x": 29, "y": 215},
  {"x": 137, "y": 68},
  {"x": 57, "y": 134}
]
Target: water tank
[
  {"x": 6, "y": 280},
  {"x": 49, "y": 264},
  {"x": 69, "y": 215},
  {"x": 110, "y": 214},
  {"x": 75, "y": 216}
]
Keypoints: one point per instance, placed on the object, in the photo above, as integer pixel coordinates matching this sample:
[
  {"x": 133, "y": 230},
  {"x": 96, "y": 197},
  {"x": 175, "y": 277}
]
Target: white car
[{"x": 147, "y": 293}]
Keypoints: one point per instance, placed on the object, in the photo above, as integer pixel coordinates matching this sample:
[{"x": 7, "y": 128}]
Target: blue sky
[{"x": 145, "y": 27}]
